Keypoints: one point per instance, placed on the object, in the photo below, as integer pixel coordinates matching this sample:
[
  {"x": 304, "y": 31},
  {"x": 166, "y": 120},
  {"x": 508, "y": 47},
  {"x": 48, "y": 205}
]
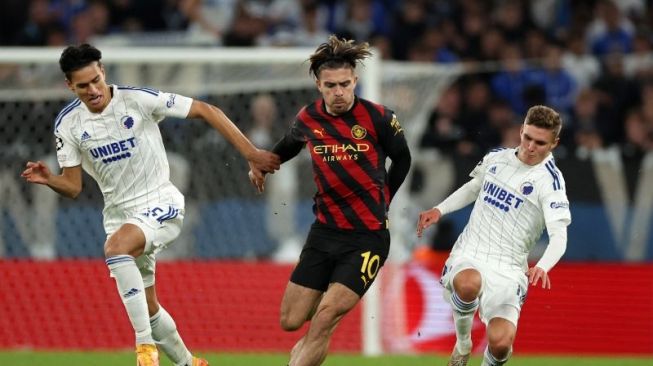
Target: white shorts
[
  {"x": 161, "y": 225},
  {"x": 503, "y": 293}
]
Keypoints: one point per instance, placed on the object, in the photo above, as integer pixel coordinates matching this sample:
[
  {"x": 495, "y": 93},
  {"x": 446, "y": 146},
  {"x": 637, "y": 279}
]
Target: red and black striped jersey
[{"x": 348, "y": 153}]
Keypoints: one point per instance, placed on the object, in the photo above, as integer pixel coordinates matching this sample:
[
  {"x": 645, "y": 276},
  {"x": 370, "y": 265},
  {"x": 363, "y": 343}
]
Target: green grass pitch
[{"x": 26, "y": 358}]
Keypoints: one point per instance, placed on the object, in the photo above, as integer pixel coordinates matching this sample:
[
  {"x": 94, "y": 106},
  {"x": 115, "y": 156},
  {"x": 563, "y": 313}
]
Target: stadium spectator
[
  {"x": 582, "y": 66},
  {"x": 640, "y": 64},
  {"x": 209, "y": 18},
  {"x": 309, "y": 31},
  {"x": 281, "y": 192},
  {"x": 40, "y": 19},
  {"x": 112, "y": 132},
  {"x": 617, "y": 95},
  {"x": 639, "y": 136},
  {"x": 364, "y": 19},
  {"x": 349, "y": 139},
  {"x": 511, "y": 81},
  {"x": 559, "y": 86},
  {"x": 610, "y": 32},
  {"x": 486, "y": 268},
  {"x": 443, "y": 129}
]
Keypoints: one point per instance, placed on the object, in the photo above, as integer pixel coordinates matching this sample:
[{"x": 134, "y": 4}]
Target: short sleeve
[
  {"x": 68, "y": 154},
  {"x": 171, "y": 105}
]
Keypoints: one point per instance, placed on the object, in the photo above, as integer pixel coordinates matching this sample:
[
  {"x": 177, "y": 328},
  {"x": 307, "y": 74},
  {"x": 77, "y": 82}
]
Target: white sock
[
  {"x": 463, "y": 317},
  {"x": 132, "y": 292},
  {"x": 490, "y": 360},
  {"x": 164, "y": 332}
]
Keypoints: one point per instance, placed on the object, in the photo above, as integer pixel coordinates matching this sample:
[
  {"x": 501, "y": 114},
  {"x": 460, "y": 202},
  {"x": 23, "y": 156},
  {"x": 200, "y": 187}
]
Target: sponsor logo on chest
[
  {"x": 114, "y": 151},
  {"x": 499, "y": 197}
]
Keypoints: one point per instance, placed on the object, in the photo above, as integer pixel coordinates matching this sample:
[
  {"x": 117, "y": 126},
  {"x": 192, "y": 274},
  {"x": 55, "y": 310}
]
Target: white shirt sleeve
[
  {"x": 462, "y": 197},
  {"x": 171, "y": 105},
  {"x": 557, "y": 231},
  {"x": 68, "y": 154}
]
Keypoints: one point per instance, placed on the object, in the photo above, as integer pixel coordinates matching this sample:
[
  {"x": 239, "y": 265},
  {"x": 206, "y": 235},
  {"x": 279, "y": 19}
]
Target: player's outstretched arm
[
  {"x": 68, "y": 184},
  {"x": 261, "y": 159},
  {"x": 426, "y": 219}
]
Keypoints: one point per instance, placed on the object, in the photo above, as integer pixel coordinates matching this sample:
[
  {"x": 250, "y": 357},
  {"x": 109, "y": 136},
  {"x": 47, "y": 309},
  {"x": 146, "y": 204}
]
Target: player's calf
[
  {"x": 463, "y": 316},
  {"x": 489, "y": 359}
]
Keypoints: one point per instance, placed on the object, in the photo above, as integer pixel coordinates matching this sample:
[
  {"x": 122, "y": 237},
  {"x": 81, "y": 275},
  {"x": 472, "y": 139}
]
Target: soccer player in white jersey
[
  {"x": 112, "y": 133},
  {"x": 517, "y": 193}
]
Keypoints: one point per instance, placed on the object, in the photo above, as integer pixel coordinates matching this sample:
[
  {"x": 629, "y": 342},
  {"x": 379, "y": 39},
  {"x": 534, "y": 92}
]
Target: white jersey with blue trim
[
  {"x": 514, "y": 204},
  {"x": 122, "y": 149}
]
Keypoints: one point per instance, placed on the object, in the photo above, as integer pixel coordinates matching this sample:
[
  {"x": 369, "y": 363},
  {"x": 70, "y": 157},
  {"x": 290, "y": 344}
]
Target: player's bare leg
[
  {"x": 464, "y": 299},
  {"x": 298, "y": 305},
  {"x": 336, "y": 302},
  {"x": 500, "y": 337}
]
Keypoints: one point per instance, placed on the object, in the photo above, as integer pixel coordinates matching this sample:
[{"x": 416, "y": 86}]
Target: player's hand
[
  {"x": 535, "y": 274},
  {"x": 257, "y": 177},
  {"x": 264, "y": 161},
  {"x": 426, "y": 219},
  {"x": 36, "y": 172}
]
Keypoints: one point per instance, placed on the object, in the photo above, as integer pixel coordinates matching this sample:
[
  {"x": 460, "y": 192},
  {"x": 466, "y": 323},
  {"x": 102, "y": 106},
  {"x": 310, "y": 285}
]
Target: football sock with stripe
[
  {"x": 490, "y": 360},
  {"x": 166, "y": 336},
  {"x": 132, "y": 292},
  {"x": 463, "y": 317}
]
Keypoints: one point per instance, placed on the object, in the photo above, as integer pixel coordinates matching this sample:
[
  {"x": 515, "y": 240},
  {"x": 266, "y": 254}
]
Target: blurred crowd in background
[{"x": 590, "y": 60}]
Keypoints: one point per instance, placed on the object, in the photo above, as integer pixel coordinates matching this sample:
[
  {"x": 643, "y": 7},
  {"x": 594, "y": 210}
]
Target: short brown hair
[{"x": 544, "y": 117}]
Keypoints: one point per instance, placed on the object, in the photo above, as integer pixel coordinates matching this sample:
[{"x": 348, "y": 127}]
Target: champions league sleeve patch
[
  {"x": 395, "y": 124},
  {"x": 58, "y": 143}
]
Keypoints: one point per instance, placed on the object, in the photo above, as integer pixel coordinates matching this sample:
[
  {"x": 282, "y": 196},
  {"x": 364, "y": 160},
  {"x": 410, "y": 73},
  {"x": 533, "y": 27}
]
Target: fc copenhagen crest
[
  {"x": 358, "y": 132},
  {"x": 127, "y": 122}
]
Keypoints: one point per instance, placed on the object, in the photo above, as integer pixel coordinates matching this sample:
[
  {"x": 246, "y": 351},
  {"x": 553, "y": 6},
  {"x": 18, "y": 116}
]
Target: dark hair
[
  {"x": 544, "y": 117},
  {"x": 337, "y": 53},
  {"x": 74, "y": 58}
]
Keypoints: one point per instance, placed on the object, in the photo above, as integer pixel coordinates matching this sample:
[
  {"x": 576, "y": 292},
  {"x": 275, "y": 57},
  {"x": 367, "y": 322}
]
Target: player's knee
[
  {"x": 111, "y": 248},
  {"x": 500, "y": 345},
  {"x": 290, "y": 322},
  {"x": 467, "y": 291}
]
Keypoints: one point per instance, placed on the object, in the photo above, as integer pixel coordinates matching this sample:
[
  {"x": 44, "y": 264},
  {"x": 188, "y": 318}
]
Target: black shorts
[{"x": 350, "y": 257}]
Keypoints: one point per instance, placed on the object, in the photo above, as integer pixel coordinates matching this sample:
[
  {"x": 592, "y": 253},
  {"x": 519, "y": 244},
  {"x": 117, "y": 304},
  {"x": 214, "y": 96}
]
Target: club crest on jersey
[
  {"x": 127, "y": 122},
  {"x": 526, "y": 188},
  {"x": 358, "y": 132}
]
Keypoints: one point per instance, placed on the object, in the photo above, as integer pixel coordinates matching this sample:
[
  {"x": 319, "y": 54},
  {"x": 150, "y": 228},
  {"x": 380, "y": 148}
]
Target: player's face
[
  {"x": 337, "y": 88},
  {"x": 536, "y": 144},
  {"x": 91, "y": 87}
]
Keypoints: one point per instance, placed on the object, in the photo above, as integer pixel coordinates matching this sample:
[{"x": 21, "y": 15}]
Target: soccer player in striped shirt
[
  {"x": 112, "y": 133},
  {"x": 517, "y": 192},
  {"x": 349, "y": 139}
]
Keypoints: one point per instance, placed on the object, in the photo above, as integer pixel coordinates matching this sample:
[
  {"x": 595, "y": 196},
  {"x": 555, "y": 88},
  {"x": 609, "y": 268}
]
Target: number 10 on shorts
[{"x": 370, "y": 267}]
